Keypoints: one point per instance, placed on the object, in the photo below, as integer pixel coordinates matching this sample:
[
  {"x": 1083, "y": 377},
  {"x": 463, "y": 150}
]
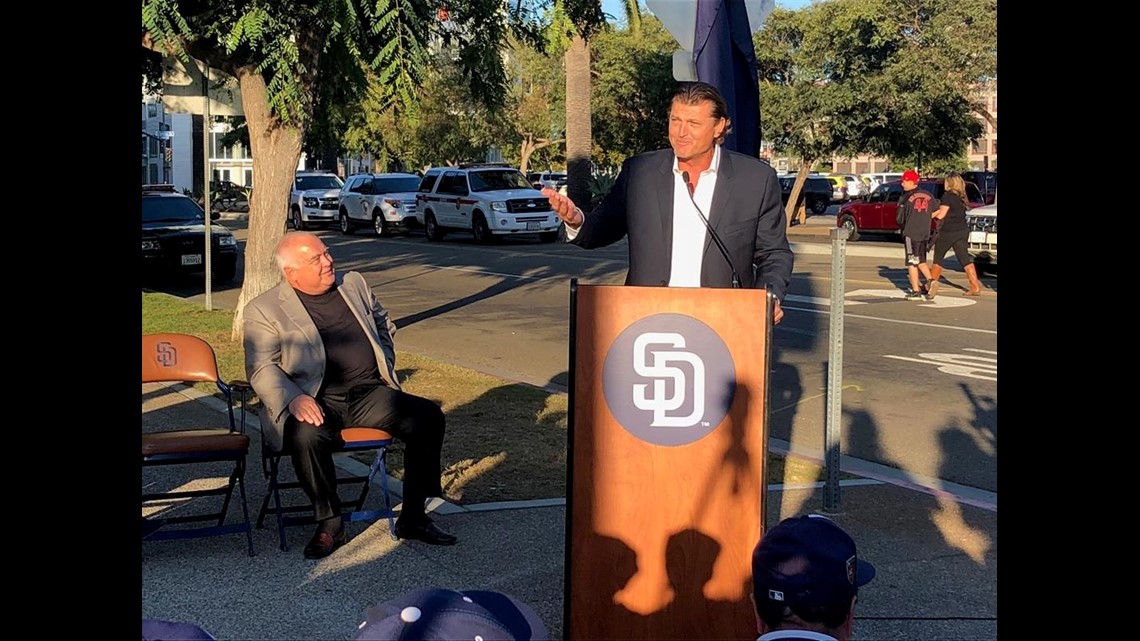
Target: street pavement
[{"x": 935, "y": 550}]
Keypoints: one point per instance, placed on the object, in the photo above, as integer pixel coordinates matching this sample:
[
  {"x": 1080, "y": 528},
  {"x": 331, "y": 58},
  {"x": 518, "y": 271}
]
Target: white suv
[
  {"x": 314, "y": 199},
  {"x": 384, "y": 202},
  {"x": 488, "y": 199}
]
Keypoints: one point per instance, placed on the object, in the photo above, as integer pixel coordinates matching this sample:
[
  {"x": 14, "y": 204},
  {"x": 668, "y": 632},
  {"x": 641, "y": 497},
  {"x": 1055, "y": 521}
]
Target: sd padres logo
[
  {"x": 669, "y": 379},
  {"x": 166, "y": 355}
]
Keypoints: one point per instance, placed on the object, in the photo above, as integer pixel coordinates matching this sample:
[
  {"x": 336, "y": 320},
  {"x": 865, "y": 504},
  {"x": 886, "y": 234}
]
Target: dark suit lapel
[
  {"x": 722, "y": 199},
  {"x": 664, "y": 185}
]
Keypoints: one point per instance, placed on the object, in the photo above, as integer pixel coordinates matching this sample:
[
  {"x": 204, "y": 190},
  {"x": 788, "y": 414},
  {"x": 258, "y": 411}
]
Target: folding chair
[
  {"x": 181, "y": 358},
  {"x": 356, "y": 439}
]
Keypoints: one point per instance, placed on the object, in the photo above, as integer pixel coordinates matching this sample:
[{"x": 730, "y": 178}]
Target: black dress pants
[{"x": 417, "y": 422}]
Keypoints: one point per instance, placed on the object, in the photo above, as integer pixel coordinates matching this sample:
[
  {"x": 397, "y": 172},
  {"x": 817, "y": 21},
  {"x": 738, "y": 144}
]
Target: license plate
[
  {"x": 532, "y": 226},
  {"x": 991, "y": 238},
  {"x": 192, "y": 259},
  {"x": 977, "y": 237}
]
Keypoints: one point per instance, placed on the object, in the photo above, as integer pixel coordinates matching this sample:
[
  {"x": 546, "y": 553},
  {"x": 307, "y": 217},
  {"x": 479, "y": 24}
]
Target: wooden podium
[{"x": 667, "y": 453}]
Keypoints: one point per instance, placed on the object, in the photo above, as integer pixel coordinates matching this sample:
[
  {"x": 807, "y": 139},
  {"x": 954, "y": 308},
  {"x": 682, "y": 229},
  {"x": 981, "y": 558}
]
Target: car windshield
[
  {"x": 166, "y": 209},
  {"x": 318, "y": 182},
  {"x": 396, "y": 184},
  {"x": 494, "y": 179}
]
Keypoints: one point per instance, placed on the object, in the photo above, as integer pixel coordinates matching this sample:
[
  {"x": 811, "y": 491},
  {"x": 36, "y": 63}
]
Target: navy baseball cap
[
  {"x": 447, "y": 615},
  {"x": 807, "y": 561}
]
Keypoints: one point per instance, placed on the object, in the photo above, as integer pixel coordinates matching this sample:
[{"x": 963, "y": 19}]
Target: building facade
[{"x": 172, "y": 150}]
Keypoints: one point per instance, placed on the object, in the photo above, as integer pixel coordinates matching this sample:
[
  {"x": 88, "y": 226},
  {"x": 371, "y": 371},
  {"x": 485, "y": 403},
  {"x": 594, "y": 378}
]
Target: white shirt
[{"x": 689, "y": 231}]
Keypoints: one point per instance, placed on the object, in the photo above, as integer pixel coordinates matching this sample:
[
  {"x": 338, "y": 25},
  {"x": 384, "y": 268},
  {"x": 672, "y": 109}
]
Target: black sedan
[{"x": 174, "y": 233}]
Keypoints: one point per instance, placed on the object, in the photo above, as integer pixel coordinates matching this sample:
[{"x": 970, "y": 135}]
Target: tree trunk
[
  {"x": 277, "y": 149},
  {"x": 796, "y": 207},
  {"x": 579, "y": 136},
  {"x": 525, "y": 152}
]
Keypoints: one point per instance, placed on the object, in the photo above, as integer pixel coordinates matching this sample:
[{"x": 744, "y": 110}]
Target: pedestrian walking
[{"x": 953, "y": 233}]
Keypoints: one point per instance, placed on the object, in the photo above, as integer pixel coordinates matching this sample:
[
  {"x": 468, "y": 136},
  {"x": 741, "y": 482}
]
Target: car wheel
[
  {"x": 431, "y": 228},
  {"x": 548, "y": 236},
  {"x": 345, "y": 224},
  {"x": 298, "y": 222},
  {"x": 819, "y": 206},
  {"x": 480, "y": 230},
  {"x": 848, "y": 223},
  {"x": 379, "y": 224}
]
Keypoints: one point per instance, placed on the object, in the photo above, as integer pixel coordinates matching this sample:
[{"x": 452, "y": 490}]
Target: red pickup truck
[{"x": 874, "y": 213}]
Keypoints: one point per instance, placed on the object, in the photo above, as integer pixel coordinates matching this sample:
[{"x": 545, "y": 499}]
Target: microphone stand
[{"x": 712, "y": 232}]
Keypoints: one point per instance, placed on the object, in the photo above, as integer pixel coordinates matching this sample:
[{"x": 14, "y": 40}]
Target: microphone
[{"x": 712, "y": 232}]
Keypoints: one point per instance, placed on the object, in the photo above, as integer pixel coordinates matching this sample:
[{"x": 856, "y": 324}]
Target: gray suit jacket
[
  {"x": 746, "y": 213},
  {"x": 284, "y": 354}
]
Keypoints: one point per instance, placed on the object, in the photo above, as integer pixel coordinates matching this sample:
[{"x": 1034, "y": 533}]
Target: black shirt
[
  {"x": 955, "y": 219},
  {"x": 915, "y": 207},
  {"x": 350, "y": 359}
]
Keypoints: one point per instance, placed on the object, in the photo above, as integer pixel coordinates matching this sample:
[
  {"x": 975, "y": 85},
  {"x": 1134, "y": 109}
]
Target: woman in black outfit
[{"x": 953, "y": 234}]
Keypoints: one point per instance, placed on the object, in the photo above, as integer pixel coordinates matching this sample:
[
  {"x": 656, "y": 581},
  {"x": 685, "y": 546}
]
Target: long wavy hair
[{"x": 956, "y": 184}]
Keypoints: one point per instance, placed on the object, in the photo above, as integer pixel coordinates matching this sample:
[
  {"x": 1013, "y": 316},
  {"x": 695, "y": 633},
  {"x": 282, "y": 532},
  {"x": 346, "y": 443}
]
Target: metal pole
[
  {"x": 835, "y": 373},
  {"x": 208, "y": 206}
]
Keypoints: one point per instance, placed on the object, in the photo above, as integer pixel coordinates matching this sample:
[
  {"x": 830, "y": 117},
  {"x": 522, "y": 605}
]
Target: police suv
[{"x": 487, "y": 199}]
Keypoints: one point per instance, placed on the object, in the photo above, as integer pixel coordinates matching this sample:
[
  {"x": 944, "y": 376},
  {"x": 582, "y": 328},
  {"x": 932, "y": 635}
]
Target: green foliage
[
  {"x": 884, "y": 77},
  {"x": 632, "y": 85},
  {"x": 600, "y": 184}
]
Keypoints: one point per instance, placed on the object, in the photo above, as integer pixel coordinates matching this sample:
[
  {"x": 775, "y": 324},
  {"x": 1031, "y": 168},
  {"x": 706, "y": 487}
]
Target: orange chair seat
[{"x": 354, "y": 435}]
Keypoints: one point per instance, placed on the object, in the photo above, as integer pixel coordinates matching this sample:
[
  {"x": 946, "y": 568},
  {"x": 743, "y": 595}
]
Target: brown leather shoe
[
  {"x": 323, "y": 544},
  {"x": 427, "y": 532}
]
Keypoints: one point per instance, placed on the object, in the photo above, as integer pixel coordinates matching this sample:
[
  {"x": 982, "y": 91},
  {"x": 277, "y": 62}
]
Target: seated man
[
  {"x": 805, "y": 577},
  {"x": 320, "y": 356}
]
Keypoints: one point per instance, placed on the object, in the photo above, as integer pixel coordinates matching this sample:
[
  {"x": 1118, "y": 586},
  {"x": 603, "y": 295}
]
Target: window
[
  {"x": 392, "y": 184},
  {"x": 248, "y": 177},
  {"x": 153, "y": 174},
  {"x": 980, "y": 146},
  {"x": 153, "y": 146},
  {"x": 428, "y": 182},
  {"x": 151, "y": 110},
  {"x": 894, "y": 192},
  {"x": 453, "y": 182},
  {"x": 972, "y": 193}
]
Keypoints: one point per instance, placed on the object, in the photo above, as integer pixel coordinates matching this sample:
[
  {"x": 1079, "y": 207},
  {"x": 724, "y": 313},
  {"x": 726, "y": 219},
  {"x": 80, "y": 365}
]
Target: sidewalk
[{"x": 936, "y": 557}]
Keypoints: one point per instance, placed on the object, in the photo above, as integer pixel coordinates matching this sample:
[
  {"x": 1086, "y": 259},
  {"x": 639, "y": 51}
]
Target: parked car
[
  {"x": 986, "y": 182},
  {"x": 315, "y": 199},
  {"x": 487, "y": 199},
  {"x": 552, "y": 179},
  {"x": 838, "y": 189},
  {"x": 384, "y": 202},
  {"x": 854, "y": 185},
  {"x": 875, "y": 213},
  {"x": 174, "y": 236},
  {"x": 816, "y": 191},
  {"x": 982, "y": 222},
  {"x": 880, "y": 178}
]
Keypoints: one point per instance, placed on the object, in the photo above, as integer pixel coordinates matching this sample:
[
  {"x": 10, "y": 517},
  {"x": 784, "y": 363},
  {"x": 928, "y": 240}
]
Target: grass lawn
[{"x": 505, "y": 441}]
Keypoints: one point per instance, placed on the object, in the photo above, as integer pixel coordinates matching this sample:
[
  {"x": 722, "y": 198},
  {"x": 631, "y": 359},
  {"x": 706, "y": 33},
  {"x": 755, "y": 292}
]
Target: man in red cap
[{"x": 913, "y": 216}]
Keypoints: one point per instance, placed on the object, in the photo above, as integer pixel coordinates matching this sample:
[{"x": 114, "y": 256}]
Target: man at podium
[{"x": 697, "y": 214}]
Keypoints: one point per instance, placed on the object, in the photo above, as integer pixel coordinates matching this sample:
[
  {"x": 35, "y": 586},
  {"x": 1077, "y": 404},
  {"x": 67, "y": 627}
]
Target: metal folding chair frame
[
  {"x": 357, "y": 439},
  {"x": 193, "y": 446}
]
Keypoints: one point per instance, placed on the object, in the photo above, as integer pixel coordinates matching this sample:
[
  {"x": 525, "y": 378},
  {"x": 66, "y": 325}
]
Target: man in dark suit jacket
[
  {"x": 660, "y": 196},
  {"x": 320, "y": 356}
]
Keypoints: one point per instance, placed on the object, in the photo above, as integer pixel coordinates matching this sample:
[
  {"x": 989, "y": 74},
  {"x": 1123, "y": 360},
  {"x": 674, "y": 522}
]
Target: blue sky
[{"x": 614, "y": 7}]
